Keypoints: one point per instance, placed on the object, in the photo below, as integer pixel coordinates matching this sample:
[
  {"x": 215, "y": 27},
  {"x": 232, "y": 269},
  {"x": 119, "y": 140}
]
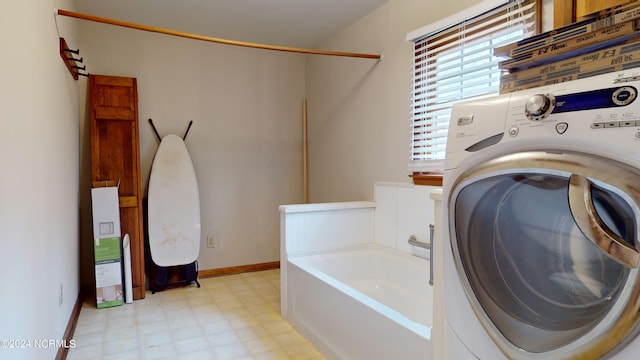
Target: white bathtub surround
[
  {"x": 316, "y": 227},
  {"x": 403, "y": 210},
  {"x": 309, "y": 228},
  {"x": 349, "y": 281}
]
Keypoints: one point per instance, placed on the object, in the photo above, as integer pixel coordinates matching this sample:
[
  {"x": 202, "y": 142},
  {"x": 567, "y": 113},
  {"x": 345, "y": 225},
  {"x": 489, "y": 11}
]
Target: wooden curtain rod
[{"x": 211, "y": 39}]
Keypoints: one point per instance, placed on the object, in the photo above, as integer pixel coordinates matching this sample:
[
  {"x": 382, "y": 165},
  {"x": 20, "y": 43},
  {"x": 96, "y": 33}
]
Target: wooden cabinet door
[
  {"x": 567, "y": 11},
  {"x": 115, "y": 159},
  {"x": 586, "y": 7}
]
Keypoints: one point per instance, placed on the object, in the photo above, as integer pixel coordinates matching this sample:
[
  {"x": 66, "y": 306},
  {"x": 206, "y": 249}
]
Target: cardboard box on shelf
[
  {"x": 590, "y": 42},
  {"x": 606, "y": 60},
  {"x": 616, "y": 15}
]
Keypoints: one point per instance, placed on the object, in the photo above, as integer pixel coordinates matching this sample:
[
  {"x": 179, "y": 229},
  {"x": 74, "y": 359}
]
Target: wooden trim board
[
  {"x": 71, "y": 328},
  {"x": 238, "y": 269}
]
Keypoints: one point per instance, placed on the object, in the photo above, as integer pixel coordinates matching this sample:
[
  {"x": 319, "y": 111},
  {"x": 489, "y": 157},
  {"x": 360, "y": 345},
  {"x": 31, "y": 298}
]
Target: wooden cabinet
[
  {"x": 586, "y": 7},
  {"x": 115, "y": 159},
  {"x": 568, "y": 11}
]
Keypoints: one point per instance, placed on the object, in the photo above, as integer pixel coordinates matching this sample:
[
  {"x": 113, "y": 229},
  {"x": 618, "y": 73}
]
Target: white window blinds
[{"x": 456, "y": 63}]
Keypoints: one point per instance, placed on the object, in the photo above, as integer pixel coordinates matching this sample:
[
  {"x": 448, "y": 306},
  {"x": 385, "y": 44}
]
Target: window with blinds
[{"x": 455, "y": 63}]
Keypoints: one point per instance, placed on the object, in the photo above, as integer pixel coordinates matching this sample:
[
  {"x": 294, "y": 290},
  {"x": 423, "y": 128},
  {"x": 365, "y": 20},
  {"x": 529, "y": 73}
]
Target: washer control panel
[
  {"x": 540, "y": 106},
  {"x": 599, "y": 114},
  {"x": 557, "y": 110}
]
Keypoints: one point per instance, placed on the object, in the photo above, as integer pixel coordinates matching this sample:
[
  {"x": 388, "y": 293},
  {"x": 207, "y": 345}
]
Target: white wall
[
  {"x": 245, "y": 142},
  {"x": 359, "y": 110},
  {"x": 39, "y": 183}
]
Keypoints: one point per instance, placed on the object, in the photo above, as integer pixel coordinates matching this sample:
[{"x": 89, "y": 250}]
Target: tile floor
[{"x": 229, "y": 317}]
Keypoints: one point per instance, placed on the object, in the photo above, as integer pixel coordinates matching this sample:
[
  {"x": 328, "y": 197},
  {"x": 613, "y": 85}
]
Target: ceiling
[{"x": 295, "y": 23}]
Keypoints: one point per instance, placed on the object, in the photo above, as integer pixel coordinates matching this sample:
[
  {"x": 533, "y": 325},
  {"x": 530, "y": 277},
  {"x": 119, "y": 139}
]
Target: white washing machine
[{"x": 541, "y": 210}]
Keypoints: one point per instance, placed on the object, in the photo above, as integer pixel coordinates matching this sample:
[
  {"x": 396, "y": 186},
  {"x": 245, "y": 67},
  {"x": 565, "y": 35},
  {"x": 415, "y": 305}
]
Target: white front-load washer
[{"x": 541, "y": 233}]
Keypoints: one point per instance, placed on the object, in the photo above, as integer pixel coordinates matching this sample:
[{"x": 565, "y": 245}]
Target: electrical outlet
[
  {"x": 210, "y": 242},
  {"x": 60, "y": 296}
]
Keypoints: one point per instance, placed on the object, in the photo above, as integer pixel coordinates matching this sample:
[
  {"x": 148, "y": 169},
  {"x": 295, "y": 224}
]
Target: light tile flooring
[{"x": 229, "y": 317}]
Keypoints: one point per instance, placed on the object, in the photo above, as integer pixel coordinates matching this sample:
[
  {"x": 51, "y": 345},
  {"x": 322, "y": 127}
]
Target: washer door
[{"x": 546, "y": 251}]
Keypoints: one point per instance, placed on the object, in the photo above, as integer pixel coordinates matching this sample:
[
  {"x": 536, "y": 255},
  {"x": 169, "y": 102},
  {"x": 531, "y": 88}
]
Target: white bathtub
[
  {"x": 364, "y": 302},
  {"x": 350, "y": 295}
]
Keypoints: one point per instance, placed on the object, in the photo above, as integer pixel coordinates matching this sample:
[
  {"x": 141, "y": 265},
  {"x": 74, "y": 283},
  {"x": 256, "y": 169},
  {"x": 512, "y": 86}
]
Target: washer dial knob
[
  {"x": 624, "y": 95},
  {"x": 539, "y": 106}
]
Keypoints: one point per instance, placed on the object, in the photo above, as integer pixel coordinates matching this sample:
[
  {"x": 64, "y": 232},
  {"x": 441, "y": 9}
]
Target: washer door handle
[{"x": 592, "y": 226}]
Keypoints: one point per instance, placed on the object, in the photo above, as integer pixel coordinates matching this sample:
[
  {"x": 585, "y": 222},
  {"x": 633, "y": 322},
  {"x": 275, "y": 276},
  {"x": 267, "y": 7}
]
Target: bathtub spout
[{"x": 414, "y": 241}]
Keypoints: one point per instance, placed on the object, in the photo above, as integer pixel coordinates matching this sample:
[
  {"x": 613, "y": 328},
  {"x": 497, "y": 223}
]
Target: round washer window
[{"x": 542, "y": 283}]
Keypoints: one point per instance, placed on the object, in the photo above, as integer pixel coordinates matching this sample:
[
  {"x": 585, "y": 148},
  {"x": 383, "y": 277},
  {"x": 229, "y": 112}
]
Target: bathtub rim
[{"x": 330, "y": 206}]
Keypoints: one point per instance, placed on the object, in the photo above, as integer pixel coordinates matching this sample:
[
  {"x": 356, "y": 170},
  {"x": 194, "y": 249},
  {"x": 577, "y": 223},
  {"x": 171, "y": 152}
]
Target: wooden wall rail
[{"x": 212, "y": 39}]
